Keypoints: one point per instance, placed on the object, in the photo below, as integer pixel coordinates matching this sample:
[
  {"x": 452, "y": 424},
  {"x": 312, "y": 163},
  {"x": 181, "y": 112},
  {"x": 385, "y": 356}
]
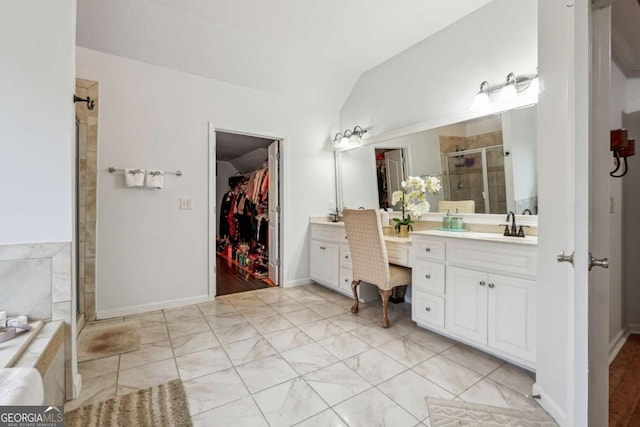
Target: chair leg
[
  {"x": 384, "y": 294},
  {"x": 354, "y": 288}
]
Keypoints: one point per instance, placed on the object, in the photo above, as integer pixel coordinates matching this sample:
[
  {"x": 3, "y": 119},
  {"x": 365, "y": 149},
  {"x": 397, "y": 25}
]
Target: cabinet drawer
[
  {"x": 326, "y": 232},
  {"x": 398, "y": 254},
  {"x": 429, "y": 249},
  {"x": 492, "y": 257},
  {"x": 428, "y": 277},
  {"x": 346, "y": 277},
  {"x": 428, "y": 309},
  {"x": 345, "y": 255}
]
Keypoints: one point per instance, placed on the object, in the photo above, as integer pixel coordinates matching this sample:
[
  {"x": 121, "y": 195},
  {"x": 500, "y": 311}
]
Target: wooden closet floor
[
  {"x": 231, "y": 278},
  {"x": 624, "y": 385}
]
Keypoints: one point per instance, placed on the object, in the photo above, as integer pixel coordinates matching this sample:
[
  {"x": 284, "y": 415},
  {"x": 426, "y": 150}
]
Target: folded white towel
[
  {"x": 134, "y": 177},
  {"x": 21, "y": 386},
  {"x": 155, "y": 179}
]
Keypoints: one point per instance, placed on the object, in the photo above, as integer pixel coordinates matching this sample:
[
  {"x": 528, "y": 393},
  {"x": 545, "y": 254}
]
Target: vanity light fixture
[
  {"x": 481, "y": 100},
  {"x": 342, "y": 139},
  {"x": 514, "y": 87},
  {"x": 509, "y": 91}
]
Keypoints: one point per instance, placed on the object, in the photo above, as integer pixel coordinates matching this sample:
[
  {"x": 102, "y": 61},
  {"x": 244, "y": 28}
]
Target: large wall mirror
[{"x": 489, "y": 160}]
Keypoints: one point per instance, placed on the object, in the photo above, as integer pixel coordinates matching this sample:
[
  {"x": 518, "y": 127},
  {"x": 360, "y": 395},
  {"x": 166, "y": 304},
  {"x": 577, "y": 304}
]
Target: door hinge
[{"x": 278, "y": 209}]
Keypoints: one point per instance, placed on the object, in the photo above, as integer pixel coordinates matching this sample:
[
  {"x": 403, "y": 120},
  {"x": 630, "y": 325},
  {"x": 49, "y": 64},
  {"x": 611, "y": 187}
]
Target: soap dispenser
[
  {"x": 457, "y": 222},
  {"x": 446, "y": 220}
]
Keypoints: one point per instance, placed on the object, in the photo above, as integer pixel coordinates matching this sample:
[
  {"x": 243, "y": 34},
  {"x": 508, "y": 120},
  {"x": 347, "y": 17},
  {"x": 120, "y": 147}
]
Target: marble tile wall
[
  {"x": 36, "y": 281},
  {"x": 87, "y": 152}
]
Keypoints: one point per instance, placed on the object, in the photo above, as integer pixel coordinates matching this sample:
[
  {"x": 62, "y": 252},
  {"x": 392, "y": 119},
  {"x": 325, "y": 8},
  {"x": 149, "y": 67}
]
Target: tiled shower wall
[
  {"x": 470, "y": 176},
  {"x": 87, "y": 180},
  {"x": 36, "y": 280}
]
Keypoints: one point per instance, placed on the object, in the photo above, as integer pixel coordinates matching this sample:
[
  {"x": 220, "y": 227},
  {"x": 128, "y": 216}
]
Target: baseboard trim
[
  {"x": 298, "y": 282},
  {"x": 634, "y": 328},
  {"x": 550, "y": 405},
  {"x": 144, "y": 308},
  {"x": 616, "y": 344}
]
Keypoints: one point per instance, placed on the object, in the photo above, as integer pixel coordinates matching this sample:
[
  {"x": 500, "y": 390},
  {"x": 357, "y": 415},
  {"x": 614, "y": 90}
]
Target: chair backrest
[
  {"x": 366, "y": 243},
  {"x": 463, "y": 206}
]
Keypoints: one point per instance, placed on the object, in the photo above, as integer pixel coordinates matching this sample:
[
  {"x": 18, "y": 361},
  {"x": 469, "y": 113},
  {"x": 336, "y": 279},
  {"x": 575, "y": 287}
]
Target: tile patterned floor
[{"x": 284, "y": 357}]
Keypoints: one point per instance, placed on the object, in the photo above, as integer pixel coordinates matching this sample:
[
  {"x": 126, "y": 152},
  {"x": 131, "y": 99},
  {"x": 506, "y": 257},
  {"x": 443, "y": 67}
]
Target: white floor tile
[
  {"x": 375, "y": 366},
  {"x": 203, "y": 362},
  {"x": 241, "y": 413},
  {"x": 336, "y": 383},
  {"x": 266, "y": 372},
  {"x": 213, "y": 390},
  {"x": 289, "y": 403},
  {"x": 372, "y": 408}
]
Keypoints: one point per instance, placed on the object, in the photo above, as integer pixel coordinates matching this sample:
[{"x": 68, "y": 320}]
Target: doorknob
[
  {"x": 594, "y": 262},
  {"x": 565, "y": 258}
]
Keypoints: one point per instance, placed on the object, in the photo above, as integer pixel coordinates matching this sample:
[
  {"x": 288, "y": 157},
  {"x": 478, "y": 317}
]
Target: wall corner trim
[{"x": 617, "y": 342}]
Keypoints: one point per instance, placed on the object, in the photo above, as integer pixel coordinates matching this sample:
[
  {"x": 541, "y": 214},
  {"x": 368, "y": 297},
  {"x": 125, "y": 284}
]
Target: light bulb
[{"x": 480, "y": 103}]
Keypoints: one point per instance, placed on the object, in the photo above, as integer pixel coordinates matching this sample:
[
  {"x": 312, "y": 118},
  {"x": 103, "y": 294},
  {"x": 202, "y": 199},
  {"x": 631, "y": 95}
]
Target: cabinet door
[
  {"x": 466, "y": 304},
  {"x": 512, "y": 315},
  {"x": 332, "y": 264},
  {"x": 317, "y": 261}
]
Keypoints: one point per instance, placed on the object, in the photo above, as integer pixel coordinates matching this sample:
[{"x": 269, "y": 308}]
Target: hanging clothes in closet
[{"x": 244, "y": 222}]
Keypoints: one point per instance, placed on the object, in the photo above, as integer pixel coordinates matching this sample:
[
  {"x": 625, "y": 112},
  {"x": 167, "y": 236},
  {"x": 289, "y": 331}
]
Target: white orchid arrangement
[{"x": 413, "y": 197}]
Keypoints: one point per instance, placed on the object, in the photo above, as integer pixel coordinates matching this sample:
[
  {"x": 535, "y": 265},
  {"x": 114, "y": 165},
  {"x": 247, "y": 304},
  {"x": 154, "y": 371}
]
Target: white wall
[
  {"x": 439, "y": 76},
  {"x": 37, "y": 48},
  {"x": 150, "y": 253}
]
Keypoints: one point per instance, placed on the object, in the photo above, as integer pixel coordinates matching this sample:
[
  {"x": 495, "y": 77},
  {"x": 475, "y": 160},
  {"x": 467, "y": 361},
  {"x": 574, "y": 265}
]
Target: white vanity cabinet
[
  {"x": 479, "y": 292},
  {"x": 324, "y": 267},
  {"x": 331, "y": 261}
]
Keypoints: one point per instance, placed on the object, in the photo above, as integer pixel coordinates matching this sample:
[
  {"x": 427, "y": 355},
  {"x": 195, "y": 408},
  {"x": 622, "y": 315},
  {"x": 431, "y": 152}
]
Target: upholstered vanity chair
[
  {"x": 369, "y": 257},
  {"x": 460, "y": 206}
]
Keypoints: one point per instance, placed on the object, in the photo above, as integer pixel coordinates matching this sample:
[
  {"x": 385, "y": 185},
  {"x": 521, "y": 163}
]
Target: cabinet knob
[
  {"x": 491, "y": 285},
  {"x": 428, "y": 308},
  {"x": 427, "y": 249},
  {"x": 428, "y": 276},
  {"x": 346, "y": 257},
  {"x": 482, "y": 283}
]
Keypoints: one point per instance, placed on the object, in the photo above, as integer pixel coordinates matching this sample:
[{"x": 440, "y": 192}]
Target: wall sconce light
[
  {"x": 622, "y": 148},
  {"x": 343, "y": 139},
  {"x": 514, "y": 87}
]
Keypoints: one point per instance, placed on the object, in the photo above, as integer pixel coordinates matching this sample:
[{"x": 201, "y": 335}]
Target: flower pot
[{"x": 403, "y": 231}]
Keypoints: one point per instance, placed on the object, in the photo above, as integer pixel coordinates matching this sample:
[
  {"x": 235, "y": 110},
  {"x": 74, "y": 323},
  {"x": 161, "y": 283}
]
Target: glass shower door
[{"x": 496, "y": 180}]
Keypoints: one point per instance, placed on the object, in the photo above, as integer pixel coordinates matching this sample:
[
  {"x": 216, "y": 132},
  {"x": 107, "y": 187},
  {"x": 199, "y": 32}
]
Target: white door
[
  {"x": 466, "y": 304},
  {"x": 568, "y": 376},
  {"x": 394, "y": 163},
  {"x": 318, "y": 264},
  {"x": 274, "y": 212}
]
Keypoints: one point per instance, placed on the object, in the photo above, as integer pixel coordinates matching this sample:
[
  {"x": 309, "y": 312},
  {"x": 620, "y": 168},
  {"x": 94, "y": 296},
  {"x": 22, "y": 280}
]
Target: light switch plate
[{"x": 186, "y": 204}]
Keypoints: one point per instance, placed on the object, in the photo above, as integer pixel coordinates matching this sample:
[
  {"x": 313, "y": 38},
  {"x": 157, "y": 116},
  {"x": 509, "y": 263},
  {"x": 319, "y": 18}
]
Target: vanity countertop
[{"x": 468, "y": 235}]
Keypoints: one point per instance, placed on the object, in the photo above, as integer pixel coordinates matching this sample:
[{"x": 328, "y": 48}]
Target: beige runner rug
[
  {"x": 161, "y": 405},
  {"x": 108, "y": 340},
  {"x": 449, "y": 413}
]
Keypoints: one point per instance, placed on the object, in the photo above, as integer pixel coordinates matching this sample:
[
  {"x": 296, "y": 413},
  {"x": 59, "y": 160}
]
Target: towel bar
[{"x": 111, "y": 169}]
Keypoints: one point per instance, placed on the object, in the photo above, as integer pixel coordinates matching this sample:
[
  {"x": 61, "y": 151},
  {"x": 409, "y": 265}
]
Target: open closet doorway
[{"x": 247, "y": 180}]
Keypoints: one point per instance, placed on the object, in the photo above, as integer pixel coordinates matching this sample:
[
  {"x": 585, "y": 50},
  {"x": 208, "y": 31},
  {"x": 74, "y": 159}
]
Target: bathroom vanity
[{"x": 475, "y": 287}]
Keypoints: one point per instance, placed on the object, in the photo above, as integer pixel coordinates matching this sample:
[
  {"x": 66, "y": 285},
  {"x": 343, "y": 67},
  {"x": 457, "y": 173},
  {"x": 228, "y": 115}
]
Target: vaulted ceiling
[{"x": 311, "y": 50}]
